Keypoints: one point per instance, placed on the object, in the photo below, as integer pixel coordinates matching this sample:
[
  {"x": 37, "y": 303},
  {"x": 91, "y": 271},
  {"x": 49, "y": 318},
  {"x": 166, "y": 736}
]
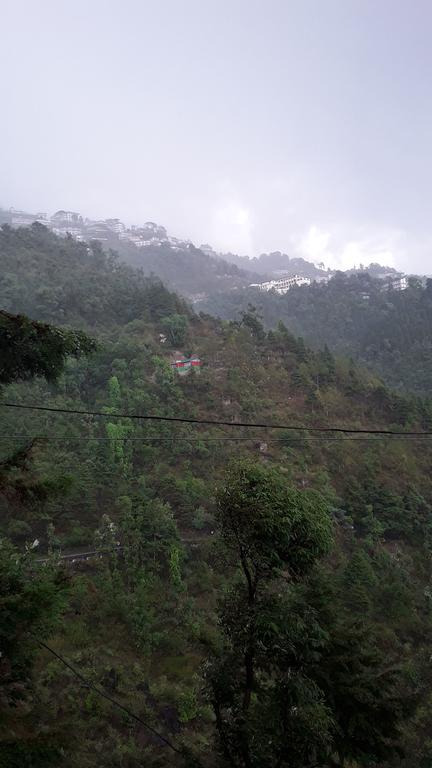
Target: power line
[
  {"x": 214, "y": 422},
  {"x": 116, "y": 703},
  {"x": 144, "y": 438}
]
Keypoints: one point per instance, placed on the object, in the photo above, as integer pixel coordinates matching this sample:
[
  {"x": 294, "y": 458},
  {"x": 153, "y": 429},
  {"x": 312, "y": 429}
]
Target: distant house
[
  {"x": 400, "y": 284},
  {"x": 150, "y": 230},
  {"x": 207, "y": 249},
  {"x": 175, "y": 243},
  {"x": 115, "y": 225},
  {"x": 137, "y": 240},
  {"x": 66, "y": 217},
  {"x": 140, "y": 238},
  {"x": 97, "y": 230},
  {"x": 23, "y": 219},
  {"x": 282, "y": 285},
  {"x": 184, "y": 366}
]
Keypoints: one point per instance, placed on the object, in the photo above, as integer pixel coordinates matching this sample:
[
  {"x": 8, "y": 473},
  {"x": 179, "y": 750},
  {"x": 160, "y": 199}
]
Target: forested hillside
[
  {"x": 182, "y": 267},
  {"x": 389, "y": 331},
  {"x": 188, "y": 269},
  {"x": 278, "y": 262},
  {"x": 260, "y": 596}
]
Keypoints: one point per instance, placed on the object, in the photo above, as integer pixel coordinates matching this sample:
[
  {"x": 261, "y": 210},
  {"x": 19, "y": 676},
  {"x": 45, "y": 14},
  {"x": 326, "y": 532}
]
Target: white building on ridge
[
  {"x": 283, "y": 284},
  {"x": 400, "y": 284}
]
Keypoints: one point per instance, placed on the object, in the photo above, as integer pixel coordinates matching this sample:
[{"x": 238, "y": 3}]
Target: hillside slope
[
  {"x": 277, "y": 262},
  {"x": 190, "y": 271},
  {"x": 148, "y": 642},
  {"x": 187, "y": 269},
  {"x": 389, "y": 331}
]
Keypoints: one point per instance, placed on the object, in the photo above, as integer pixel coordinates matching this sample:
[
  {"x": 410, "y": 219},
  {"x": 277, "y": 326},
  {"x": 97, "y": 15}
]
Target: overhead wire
[
  {"x": 216, "y": 422},
  {"x": 176, "y": 439},
  {"x": 113, "y": 701},
  {"x": 347, "y": 433}
]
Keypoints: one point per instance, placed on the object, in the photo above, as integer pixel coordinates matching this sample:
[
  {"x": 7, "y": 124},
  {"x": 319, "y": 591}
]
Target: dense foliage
[
  {"x": 277, "y": 263},
  {"x": 339, "y": 633},
  {"x": 188, "y": 269},
  {"x": 355, "y": 315},
  {"x": 31, "y": 598},
  {"x": 31, "y": 349},
  {"x": 66, "y": 282}
]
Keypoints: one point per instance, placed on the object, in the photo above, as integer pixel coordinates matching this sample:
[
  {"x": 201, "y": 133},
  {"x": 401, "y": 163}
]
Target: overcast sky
[{"x": 254, "y": 125}]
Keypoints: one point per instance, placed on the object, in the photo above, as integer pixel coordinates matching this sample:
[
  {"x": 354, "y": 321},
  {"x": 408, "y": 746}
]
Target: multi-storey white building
[
  {"x": 207, "y": 249},
  {"x": 61, "y": 218},
  {"x": 400, "y": 284},
  {"x": 115, "y": 225},
  {"x": 283, "y": 284}
]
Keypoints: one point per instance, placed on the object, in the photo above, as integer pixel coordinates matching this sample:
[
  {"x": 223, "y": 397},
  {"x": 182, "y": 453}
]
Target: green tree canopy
[
  {"x": 29, "y": 349},
  {"x": 267, "y": 711}
]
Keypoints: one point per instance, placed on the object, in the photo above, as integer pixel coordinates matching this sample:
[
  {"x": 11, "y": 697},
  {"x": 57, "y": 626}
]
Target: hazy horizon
[{"x": 294, "y": 126}]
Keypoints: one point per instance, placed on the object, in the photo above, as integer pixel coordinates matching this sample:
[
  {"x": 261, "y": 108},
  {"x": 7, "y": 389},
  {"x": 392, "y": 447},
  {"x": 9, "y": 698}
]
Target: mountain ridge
[
  {"x": 194, "y": 271},
  {"x": 150, "y": 485}
]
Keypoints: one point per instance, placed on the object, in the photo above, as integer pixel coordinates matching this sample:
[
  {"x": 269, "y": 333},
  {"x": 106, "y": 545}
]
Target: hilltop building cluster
[
  {"x": 65, "y": 223},
  {"x": 113, "y": 232}
]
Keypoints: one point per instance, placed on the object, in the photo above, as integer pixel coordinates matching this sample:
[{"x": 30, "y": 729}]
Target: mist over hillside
[
  {"x": 195, "y": 272},
  {"x": 142, "y": 613},
  {"x": 385, "y": 324}
]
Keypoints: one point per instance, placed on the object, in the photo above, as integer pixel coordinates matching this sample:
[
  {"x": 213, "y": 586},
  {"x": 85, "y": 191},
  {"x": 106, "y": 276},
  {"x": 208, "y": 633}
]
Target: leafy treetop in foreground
[{"x": 29, "y": 349}]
